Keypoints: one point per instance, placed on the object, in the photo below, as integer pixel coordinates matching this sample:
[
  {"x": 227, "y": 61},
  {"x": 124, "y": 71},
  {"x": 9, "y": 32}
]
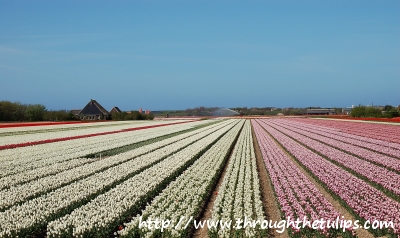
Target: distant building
[
  {"x": 320, "y": 111},
  {"x": 347, "y": 110},
  {"x": 115, "y": 110},
  {"x": 93, "y": 111},
  {"x": 75, "y": 112},
  {"x": 140, "y": 110}
]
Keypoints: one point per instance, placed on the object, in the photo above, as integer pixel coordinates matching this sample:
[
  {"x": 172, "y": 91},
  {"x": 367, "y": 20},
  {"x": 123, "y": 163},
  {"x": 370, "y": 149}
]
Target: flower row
[
  {"x": 376, "y": 131},
  {"x": 30, "y": 174},
  {"x": 23, "y": 192},
  {"x": 29, "y": 158},
  {"x": 102, "y": 214},
  {"x": 60, "y": 127},
  {"x": 367, "y": 202},
  {"x": 239, "y": 195},
  {"x": 363, "y": 137},
  {"x": 383, "y": 177},
  {"x": 366, "y": 154},
  {"x": 297, "y": 196},
  {"x": 10, "y": 142},
  {"x": 21, "y": 220},
  {"x": 371, "y": 144},
  {"x": 184, "y": 196}
]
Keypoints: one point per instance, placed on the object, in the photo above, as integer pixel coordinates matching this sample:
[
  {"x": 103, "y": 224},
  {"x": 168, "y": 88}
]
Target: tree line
[
  {"x": 364, "y": 111},
  {"x": 15, "y": 111},
  {"x": 132, "y": 115}
]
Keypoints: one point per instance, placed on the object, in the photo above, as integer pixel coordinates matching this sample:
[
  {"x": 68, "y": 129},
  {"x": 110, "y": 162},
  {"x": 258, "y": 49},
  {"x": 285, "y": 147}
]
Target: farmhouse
[
  {"x": 115, "y": 110},
  {"x": 93, "y": 111},
  {"x": 320, "y": 111}
]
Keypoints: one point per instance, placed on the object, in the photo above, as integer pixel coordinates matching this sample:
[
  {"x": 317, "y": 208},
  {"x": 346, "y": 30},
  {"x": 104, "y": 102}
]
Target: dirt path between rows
[
  {"x": 343, "y": 211},
  {"x": 269, "y": 201}
]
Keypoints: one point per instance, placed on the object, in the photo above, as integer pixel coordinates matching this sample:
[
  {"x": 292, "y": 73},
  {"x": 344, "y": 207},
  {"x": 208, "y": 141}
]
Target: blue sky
[{"x": 162, "y": 55}]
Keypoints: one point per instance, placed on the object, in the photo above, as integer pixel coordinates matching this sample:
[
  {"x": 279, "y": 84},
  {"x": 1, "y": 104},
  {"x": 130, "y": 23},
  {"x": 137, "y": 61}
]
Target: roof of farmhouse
[
  {"x": 115, "y": 110},
  {"x": 93, "y": 108}
]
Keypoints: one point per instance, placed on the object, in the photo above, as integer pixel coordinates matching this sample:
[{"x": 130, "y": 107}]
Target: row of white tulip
[
  {"x": 96, "y": 217},
  {"x": 23, "y": 192},
  {"x": 48, "y": 135},
  {"x": 27, "y": 158},
  {"x": 4, "y": 154},
  {"x": 47, "y": 154},
  {"x": 21, "y": 220},
  {"x": 24, "y": 152},
  {"x": 45, "y": 128},
  {"x": 30, "y": 174},
  {"x": 184, "y": 196},
  {"x": 239, "y": 194}
]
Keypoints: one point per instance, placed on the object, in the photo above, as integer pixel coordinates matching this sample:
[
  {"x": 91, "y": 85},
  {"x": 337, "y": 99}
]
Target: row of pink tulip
[
  {"x": 391, "y": 149},
  {"x": 376, "y": 131},
  {"x": 363, "y": 153},
  {"x": 382, "y": 176},
  {"x": 363, "y": 135},
  {"x": 364, "y": 200},
  {"x": 298, "y": 197}
]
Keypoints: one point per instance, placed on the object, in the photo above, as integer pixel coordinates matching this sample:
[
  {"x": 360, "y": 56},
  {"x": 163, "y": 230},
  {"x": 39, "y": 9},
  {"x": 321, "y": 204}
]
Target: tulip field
[{"x": 111, "y": 179}]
